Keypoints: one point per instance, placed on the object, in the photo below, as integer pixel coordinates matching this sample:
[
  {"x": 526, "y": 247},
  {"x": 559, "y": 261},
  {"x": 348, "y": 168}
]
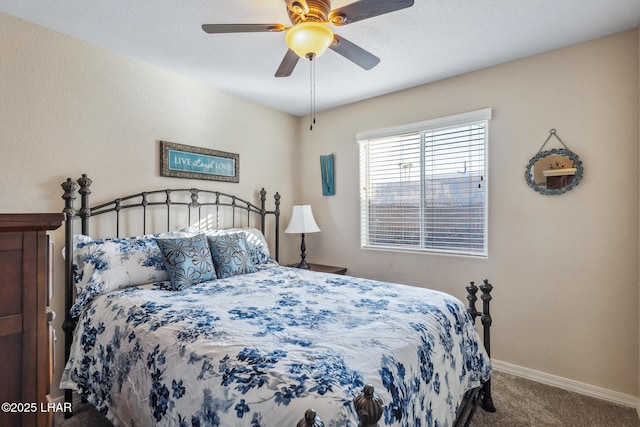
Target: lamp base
[{"x": 304, "y": 265}]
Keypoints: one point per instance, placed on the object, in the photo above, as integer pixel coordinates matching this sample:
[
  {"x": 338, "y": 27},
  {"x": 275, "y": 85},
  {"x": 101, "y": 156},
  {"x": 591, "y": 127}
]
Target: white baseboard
[
  {"x": 567, "y": 384},
  {"x": 77, "y": 399}
]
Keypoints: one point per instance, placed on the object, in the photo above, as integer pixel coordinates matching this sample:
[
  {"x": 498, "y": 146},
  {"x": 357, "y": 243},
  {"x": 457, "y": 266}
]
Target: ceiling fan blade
[
  {"x": 365, "y": 9},
  {"x": 288, "y": 64},
  {"x": 354, "y": 53},
  {"x": 242, "y": 28}
]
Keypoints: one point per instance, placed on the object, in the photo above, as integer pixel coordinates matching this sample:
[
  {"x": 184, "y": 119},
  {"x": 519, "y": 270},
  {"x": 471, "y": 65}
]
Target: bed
[{"x": 199, "y": 325}]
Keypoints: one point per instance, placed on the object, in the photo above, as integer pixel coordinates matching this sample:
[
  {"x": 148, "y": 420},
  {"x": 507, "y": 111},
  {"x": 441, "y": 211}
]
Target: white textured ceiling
[{"x": 432, "y": 40}]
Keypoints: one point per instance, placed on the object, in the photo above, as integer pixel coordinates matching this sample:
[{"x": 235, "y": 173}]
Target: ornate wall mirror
[{"x": 554, "y": 171}]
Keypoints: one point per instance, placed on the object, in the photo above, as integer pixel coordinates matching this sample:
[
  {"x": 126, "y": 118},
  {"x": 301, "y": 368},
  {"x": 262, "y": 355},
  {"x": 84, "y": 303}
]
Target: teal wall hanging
[{"x": 326, "y": 167}]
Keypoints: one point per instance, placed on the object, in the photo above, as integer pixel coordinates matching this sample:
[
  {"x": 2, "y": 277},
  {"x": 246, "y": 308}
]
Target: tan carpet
[{"x": 519, "y": 403}]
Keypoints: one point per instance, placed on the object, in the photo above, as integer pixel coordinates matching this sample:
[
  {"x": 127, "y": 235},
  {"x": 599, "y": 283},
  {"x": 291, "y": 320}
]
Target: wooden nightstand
[{"x": 324, "y": 268}]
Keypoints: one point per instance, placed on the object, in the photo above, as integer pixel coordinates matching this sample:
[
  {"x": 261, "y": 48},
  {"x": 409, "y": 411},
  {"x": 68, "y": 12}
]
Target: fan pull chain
[{"x": 312, "y": 94}]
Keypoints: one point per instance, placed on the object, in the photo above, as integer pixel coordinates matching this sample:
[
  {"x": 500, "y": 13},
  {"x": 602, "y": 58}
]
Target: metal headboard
[{"x": 189, "y": 203}]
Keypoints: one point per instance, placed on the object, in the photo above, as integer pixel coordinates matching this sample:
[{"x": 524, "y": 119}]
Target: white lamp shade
[{"x": 302, "y": 220}]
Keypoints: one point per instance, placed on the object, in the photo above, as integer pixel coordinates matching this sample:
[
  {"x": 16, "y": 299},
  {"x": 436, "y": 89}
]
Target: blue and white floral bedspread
[{"x": 259, "y": 349}]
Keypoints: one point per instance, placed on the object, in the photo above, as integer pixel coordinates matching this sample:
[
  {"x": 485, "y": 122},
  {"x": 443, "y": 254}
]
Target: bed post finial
[
  {"x": 85, "y": 211},
  {"x": 263, "y": 197},
  {"x": 276, "y": 197},
  {"x": 85, "y": 182},
  {"x": 69, "y": 196},
  {"x": 369, "y": 407},
  {"x": 472, "y": 290},
  {"x": 310, "y": 419}
]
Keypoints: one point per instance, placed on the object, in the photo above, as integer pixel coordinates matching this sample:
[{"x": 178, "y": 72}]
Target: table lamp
[{"x": 302, "y": 222}]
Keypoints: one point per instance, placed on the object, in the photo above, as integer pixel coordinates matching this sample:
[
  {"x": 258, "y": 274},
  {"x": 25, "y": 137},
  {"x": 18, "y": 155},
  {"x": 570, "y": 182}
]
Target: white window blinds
[{"x": 424, "y": 186}]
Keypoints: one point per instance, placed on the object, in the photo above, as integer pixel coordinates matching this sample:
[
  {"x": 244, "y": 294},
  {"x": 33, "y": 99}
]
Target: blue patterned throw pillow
[
  {"x": 187, "y": 260},
  {"x": 230, "y": 254}
]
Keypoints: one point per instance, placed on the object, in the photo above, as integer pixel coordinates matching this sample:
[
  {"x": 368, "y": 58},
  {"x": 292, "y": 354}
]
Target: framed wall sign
[{"x": 186, "y": 161}]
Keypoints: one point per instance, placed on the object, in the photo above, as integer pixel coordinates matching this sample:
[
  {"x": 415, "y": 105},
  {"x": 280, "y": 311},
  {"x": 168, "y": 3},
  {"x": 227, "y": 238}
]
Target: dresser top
[{"x": 31, "y": 221}]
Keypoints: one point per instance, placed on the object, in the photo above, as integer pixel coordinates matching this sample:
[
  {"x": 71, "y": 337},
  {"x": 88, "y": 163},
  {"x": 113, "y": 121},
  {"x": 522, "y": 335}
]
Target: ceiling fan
[{"x": 310, "y": 34}]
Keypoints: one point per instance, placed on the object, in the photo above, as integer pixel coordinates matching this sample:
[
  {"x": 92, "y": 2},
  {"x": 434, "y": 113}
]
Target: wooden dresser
[{"x": 25, "y": 343}]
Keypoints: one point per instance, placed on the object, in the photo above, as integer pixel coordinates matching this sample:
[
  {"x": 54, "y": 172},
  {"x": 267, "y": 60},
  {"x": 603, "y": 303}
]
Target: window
[{"x": 423, "y": 186}]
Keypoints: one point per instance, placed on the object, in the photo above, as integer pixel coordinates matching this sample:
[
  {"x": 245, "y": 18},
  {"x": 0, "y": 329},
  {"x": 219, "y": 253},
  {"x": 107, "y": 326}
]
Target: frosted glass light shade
[
  {"x": 309, "y": 38},
  {"x": 302, "y": 220}
]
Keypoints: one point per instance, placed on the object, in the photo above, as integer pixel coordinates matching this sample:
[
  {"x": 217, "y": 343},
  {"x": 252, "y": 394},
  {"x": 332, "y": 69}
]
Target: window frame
[{"x": 465, "y": 119}]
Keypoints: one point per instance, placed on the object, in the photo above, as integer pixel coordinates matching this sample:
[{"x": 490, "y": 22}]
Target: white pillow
[{"x": 105, "y": 265}]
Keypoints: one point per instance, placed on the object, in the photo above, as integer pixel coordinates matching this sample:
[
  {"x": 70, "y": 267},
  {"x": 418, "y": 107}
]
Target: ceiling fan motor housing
[{"x": 318, "y": 12}]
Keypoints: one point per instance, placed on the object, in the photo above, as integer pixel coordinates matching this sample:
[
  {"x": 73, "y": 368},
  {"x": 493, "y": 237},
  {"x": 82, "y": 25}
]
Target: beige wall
[
  {"x": 565, "y": 268},
  {"x": 69, "y": 108}
]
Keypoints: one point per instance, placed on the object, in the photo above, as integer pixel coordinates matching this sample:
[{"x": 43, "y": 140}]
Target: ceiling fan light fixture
[{"x": 309, "y": 39}]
